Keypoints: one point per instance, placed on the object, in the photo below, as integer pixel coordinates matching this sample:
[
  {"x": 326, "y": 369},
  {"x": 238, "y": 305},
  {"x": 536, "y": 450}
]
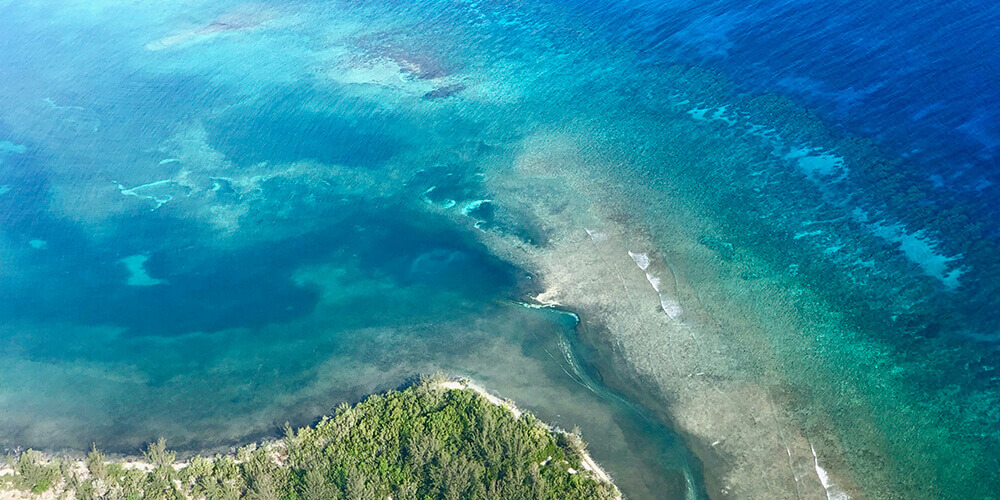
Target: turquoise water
[{"x": 219, "y": 217}]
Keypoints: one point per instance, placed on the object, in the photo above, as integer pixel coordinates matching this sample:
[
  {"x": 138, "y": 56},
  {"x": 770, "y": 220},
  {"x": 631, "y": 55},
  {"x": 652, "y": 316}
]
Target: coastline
[
  {"x": 795, "y": 306},
  {"x": 74, "y": 471},
  {"x": 462, "y": 383}
]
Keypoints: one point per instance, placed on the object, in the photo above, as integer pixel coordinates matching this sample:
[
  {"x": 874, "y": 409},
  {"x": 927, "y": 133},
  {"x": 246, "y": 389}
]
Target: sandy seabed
[{"x": 680, "y": 354}]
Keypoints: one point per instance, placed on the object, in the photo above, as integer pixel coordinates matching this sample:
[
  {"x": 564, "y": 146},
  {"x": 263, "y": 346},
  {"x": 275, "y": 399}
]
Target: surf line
[
  {"x": 668, "y": 304},
  {"x": 577, "y": 371}
]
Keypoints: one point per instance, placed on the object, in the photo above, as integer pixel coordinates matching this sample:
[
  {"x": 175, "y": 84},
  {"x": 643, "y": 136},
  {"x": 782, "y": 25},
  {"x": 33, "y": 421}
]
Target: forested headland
[{"x": 435, "y": 439}]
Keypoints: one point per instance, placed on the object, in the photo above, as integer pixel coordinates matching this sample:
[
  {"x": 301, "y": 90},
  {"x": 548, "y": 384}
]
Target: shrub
[{"x": 422, "y": 442}]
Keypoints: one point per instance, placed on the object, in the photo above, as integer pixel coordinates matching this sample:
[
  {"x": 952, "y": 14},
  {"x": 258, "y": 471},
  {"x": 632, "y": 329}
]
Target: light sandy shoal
[{"x": 752, "y": 445}]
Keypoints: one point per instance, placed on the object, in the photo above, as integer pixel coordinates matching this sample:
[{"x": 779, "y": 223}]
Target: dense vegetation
[{"x": 422, "y": 442}]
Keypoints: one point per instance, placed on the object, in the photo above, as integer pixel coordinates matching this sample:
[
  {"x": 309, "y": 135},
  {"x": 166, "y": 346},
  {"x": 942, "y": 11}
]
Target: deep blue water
[
  {"x": 919, "y": 77},
  {"x": 218, "y": 217}
]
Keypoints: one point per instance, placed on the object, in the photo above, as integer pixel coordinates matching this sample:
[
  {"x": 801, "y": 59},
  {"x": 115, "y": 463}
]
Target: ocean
[{"x": 750, "y": 250}]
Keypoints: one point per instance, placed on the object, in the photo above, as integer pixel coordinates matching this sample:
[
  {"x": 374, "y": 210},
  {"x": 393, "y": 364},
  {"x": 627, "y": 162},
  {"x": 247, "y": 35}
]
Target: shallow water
[{"x": 218, "y": 217}]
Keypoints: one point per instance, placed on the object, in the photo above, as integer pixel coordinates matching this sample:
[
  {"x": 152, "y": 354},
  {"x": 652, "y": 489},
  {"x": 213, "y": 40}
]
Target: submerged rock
[{"x": 445, "y": 91}]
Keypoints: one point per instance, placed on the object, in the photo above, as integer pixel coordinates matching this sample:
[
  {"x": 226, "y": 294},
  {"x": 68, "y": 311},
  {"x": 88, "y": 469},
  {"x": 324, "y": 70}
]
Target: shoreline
[
  {"x": 601, "y": 365},
  {"x": 460, "y": 383},
  {"x": 277, "y": 449}
]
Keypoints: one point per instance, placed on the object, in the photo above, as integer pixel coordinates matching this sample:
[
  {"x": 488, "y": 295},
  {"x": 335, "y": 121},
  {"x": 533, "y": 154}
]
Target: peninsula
[{"x": 439, "y": 438}]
